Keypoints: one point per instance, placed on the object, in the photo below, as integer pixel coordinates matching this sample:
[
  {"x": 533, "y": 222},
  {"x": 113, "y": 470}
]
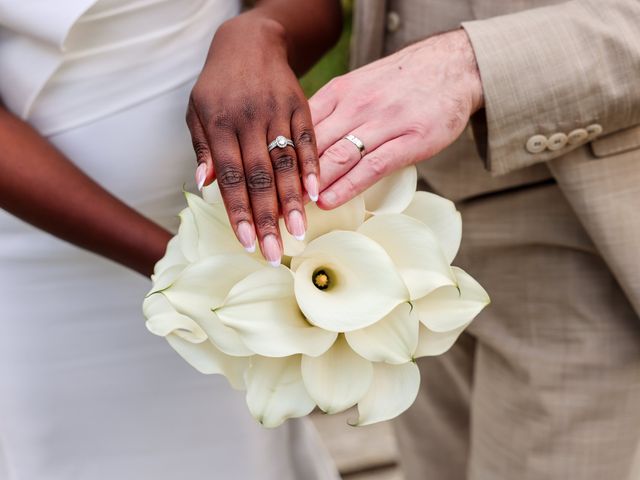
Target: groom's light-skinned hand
[{"x": 405, "y": 108}]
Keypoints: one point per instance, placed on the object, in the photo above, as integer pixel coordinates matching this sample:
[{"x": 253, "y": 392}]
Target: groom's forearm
[{"x": 311, "y": 27}]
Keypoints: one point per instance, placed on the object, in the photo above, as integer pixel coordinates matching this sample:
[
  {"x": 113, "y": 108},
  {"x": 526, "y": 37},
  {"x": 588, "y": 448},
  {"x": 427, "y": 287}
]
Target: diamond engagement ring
[
  {"x": 281, "y": 142},
  {"x": 357, "y": 142}
]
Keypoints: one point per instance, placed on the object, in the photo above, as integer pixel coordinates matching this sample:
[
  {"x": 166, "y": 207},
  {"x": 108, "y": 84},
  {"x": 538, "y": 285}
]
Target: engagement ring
[{"x": 280, "y": 142}]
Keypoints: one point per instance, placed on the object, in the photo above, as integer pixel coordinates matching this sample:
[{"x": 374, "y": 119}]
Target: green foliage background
[{"x": 335, "y": 62}]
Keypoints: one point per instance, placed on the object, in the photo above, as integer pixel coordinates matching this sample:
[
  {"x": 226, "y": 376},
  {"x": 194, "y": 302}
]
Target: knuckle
[
  {"x": 350, "y": 187},
  {"x": 290, "y": 200},
  {"x": 283, "y": 163},
  {"x": 378, "y": 165},
  {"x": 338, "y": 154},
  {"x": 266, "y": 220},
  {"x": 223, "y": 120},
  {"x": 259, "y": 180},
  {"x": 305, "y": 136},
  {"x": 202, "y": 150},
  {"x": 239, "y": 209},
  {"x": 229, "y": 175},
  {"x": 272, "y": 105},
  {"x": 248, "y": 110}
]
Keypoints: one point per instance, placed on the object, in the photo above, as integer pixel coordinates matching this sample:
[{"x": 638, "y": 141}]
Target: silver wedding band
[
  {"x": 281, "y": 142},
  {"x": 357, "y": 142}
]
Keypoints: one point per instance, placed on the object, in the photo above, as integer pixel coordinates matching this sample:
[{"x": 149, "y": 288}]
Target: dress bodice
[{"x": 66, "y": 63}]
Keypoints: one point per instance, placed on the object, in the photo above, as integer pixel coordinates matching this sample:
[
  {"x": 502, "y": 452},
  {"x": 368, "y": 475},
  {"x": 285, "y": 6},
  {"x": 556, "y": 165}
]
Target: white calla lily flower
[
  {"x": 393, "y": 389},
  {"x": 441, "y": 216},
  {"x": 262, "y": 309},
  {"x": 275, "y": 390},
  {"x": 345, "y": 281},
  {"x": 338, "y": 379},
  {"x": 393, "y": 339},
  {"x": 414, "y": 250},
  {"x": 393, "y": 193},
  {"x": 346, "y": 217}
]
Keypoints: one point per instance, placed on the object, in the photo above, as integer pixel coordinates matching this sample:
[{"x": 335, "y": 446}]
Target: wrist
[
  {"x": 469, "y": 66},
  {"x": 253, "y": 28},
  {"x": 452, "y": 54}
]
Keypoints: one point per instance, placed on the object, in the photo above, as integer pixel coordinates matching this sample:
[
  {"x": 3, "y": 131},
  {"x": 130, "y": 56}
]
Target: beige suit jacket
[{"x": 566, "y": 71}]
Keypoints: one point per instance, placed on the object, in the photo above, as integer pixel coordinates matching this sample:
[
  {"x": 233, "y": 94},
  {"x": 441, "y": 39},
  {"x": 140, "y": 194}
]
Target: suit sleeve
[{"x": 555, "y": 78}]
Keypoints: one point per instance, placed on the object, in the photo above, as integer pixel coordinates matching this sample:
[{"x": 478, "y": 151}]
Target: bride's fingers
[
  {"x": 263, "y": 194},
  {"x": 205, "y": 173},
  {"x": 231, "y": 180},
  {"x": 305, "y": 144},
  {"x": 381, "y": 161},
  {"x": 285, "y": 164}
]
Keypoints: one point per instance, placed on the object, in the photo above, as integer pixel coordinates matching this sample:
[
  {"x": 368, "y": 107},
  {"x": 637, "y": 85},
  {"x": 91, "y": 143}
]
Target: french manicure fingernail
[
  {"x": 247, "y": 236},
  {"x": 271, "y": 250},
  {"x": 312, "y": 187},
  {"x": 296, "y": 224},
  {"x": 201, "y": 175}
]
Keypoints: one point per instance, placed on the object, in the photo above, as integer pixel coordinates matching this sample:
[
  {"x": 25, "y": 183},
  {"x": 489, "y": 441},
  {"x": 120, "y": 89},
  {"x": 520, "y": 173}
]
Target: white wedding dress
[{"x": 86, "y": 393}]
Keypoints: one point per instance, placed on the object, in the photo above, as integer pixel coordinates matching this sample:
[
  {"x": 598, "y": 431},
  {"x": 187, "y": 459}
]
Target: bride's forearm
[
  {"x": 42, "y": 187},
  {"x": 310, "y": 27}
]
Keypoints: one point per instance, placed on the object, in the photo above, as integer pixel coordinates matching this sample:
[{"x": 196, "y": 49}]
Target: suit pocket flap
[{"x": 618, "y": 142}]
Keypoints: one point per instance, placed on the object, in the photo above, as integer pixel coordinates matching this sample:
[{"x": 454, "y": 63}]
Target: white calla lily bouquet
[{"x": 340, "y": 323}]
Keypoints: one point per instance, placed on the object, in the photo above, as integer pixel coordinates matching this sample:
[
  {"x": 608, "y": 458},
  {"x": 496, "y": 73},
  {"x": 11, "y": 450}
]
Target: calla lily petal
[
  {"x": 164, "y": 320},
  {"x": 262, "y": 309},
  {"x": 215, "y": 235},
  {"x": 363, "y": 284},
  {"x": 211, "y": 193},
  {"x": 441, "y": 216},
  {"x": 275, "y": 390},
  {"x": 432, "y": 343},
  {"x": 448, "y": 308},
  {"x": 338, "y": 379},
  {"x": 393, "y": 339},
  {"x": 173, "y": 258},
  {"x": 206, "y": 358},
  {"x": 393, "y": 193},
  {"x": 203, "y": 286},
  {"x": 346, "y": 217},
  {"x": 392, "y": 391},
  {"x": 188, "y": 236},
  {"x": 414, "y": 250}
]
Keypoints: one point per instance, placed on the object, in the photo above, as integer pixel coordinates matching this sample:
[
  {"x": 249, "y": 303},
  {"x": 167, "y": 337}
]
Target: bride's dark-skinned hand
[{"x": 247, "y": 95}]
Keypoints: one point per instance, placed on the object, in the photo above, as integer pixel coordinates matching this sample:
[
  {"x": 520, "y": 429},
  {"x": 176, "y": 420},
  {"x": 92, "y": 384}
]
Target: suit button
[
  {"x": 557, "y": 141},
  {"x": 537, "y": 144},
  {"x": 393, "y": 22},
  {"x": 594, "y": 130},
  {"x": 577, "y": 136}
]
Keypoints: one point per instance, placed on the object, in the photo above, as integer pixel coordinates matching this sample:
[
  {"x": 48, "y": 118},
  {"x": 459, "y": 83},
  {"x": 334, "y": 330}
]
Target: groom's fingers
[
  {"x": 323, "y": 102},
  {"x": 344, "y": 155},
  {"x": 376, "y": 164}
]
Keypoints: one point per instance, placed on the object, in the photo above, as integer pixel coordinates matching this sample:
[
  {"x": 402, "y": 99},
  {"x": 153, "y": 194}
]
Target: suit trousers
[{"x": 545, "y": 384}]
